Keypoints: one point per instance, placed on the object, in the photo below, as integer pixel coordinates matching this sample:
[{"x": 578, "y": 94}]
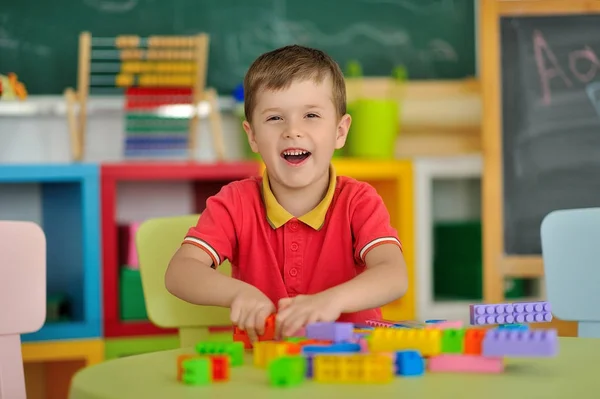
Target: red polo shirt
[{"x": 284, "y": 256}]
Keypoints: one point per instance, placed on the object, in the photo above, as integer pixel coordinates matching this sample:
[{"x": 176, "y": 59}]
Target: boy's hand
[
  {"x": 295, "y": 313},
  {"x": 249, "y": 311}
]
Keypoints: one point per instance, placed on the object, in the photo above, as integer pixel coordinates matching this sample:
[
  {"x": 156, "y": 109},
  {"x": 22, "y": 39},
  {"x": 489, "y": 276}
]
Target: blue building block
[
  {"x": 68, "y": 209},
  {"x": 344, "y": 347},
  {"x": 518, "y": 327},
  {"x": 409, "y": 363}
]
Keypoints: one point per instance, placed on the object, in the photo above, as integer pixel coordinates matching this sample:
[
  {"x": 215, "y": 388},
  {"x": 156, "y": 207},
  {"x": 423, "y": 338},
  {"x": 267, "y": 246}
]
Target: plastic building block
[
  {"x": 442, "y": 325},
  {"x": 266, "y": 351},
  {"x": 509, "y": 313},
  {"x": 453, "y": 341},
  {"x": 344, "y": 347},
  {"x": 491, "y": 314},
  {"x": 287, "y": 371},
  {"x": 220, "y": 367},
  {"x": 235, "y": 350},
  {"x": 336, "y": 332},
  {"x": 197, "y": 371},
  {"x": 380, "y": 323},
  {"x": 521, "y": 327},
  {"x": 473, "y": 340},
  {"x": 180, "y": 360},
  {"x": 532, "y": 312},
  {"x": 359, "y": 368},
  {"x": 515, "y": 343},
  {"x": 454, "y": 363},
  {"x": 435, "y": 321},
  {"x": 409, "y": 363},
  {"x": 426, "y": 341},
  {"x": 240, "y": 335}
]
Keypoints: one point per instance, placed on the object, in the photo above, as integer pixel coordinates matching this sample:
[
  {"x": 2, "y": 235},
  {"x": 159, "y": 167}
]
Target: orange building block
[
  {"x": 473, "y": 340},
  {"x": 180, "y": 360},
  {"x": 240, "y": 335}
]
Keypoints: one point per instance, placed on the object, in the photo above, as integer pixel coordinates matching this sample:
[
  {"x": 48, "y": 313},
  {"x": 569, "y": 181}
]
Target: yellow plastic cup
[{"x": 374, "y": 129}]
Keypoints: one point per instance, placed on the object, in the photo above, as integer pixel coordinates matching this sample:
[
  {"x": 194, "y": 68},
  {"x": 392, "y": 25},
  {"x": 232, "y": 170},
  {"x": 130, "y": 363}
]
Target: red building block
[
  {"x": 220, "y": 367},
  {"x": 268, "y": 334}
]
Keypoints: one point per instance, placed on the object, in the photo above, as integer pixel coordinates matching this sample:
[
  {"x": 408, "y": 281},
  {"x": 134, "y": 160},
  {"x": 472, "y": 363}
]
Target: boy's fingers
[{"x": 260, "y": 320}]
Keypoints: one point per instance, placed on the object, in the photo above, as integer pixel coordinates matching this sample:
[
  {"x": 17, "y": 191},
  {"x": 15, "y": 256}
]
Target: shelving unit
[
  {"x": 49, "y": 366},
  {"x": 63, "y": 199},
  {"x": 428, "y": 173},
  {"x": 393, "y": 180},
  {"x": 204, "y": 180}
]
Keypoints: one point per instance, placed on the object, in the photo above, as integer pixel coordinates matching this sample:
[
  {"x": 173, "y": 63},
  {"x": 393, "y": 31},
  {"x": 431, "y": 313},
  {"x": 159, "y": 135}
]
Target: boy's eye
[
  {"x": 311, "y": 115},
  {"x": 273, "y": 118}
]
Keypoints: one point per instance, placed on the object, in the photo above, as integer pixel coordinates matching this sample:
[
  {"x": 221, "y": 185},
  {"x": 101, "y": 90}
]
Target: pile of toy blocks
[{"x": 380, "y": 350}]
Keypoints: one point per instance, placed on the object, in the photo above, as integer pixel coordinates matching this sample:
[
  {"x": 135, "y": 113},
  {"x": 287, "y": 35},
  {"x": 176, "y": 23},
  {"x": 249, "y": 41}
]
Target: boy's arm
[
  {"x": 191, "y": 274},
  {"x": 383, "y": 281},
  {"x": 191, "y": 278}
]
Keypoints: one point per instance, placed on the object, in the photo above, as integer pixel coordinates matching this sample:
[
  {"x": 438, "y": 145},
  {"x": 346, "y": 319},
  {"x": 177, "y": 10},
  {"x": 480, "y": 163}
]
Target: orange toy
[{"x": 268, "y": 335}]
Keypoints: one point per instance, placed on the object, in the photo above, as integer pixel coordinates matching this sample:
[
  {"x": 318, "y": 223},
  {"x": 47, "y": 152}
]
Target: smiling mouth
[{"x": 295, "y": 156}]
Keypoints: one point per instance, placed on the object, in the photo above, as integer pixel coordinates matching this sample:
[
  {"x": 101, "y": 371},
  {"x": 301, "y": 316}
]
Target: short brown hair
[{"x": 277, "y": 70}]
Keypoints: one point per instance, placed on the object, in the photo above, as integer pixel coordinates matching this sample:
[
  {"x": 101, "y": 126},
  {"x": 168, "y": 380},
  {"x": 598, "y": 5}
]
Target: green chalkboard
[{"x": 434, "y": 39}]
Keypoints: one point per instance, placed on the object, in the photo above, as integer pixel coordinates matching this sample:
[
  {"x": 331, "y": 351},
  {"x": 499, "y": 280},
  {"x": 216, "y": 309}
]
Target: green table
[{"x": 574, "y": 373}]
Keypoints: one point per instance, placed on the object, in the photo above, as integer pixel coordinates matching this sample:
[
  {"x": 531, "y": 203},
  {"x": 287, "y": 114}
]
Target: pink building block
[
  {"x": 132, "y": 258},
  {"x": 455, "y": 363},
  {"x": 380, "y": 323},
  {"x": 445, "y": 324}
]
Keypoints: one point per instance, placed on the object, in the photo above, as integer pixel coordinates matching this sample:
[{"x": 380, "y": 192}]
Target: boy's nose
[{"x": 293, "y": 133}]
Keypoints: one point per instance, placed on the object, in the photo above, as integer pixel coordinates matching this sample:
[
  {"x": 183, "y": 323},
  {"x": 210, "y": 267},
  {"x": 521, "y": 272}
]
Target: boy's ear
[
  {"x": 342, "y": 131},
  {"x": 251, "y": 136}
]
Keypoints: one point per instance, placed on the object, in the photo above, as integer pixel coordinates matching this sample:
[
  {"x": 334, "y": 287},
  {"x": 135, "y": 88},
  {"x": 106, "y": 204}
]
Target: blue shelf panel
[
  {"x": 38, "y": 173},
  {"x": 63, "y": 331},
  {"x": 70, "y": 218}
]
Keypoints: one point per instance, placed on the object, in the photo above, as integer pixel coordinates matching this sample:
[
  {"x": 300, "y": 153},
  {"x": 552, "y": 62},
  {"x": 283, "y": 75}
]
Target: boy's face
[{"x": 296, "y": 130}]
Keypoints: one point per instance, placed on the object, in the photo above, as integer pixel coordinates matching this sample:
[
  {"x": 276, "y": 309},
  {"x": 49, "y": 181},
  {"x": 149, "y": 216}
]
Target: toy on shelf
[
  {"x": 11, "y": 89},
  {"x": 163, "y": 80},
  {"x": 348, "y": 353}
]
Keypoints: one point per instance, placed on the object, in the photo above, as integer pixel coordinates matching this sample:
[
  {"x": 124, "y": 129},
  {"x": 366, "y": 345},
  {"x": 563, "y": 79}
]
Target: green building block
[
  {"x": 235, "y": 350},
  {"x": 197, "y": 371},
  {"x": 131, "y": 294},
  {"x": 287, "y": 371},
  {"x": 453, "y": 340},
  {"x": 295, "y": 339}
]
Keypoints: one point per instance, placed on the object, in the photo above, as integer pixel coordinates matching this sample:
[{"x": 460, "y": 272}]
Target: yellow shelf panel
[{"x": 91, "y": 351}]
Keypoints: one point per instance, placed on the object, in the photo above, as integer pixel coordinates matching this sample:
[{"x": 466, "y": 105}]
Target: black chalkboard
[
  {"x": 432, "y": 38},
  {"x": 551, "y": 122}
]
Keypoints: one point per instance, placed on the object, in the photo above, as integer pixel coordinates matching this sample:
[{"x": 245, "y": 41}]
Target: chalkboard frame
[{"x": 497, "y": 265}]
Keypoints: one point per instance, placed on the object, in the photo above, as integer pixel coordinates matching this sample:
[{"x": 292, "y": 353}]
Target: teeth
[{"x": 295, "y": 152}]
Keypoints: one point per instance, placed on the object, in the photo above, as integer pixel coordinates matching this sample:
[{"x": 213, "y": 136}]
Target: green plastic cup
[{"x": 374, "y": 129}]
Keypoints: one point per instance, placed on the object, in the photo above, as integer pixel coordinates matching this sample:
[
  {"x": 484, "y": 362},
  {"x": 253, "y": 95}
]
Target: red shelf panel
[{"x": 110, "y": 175}]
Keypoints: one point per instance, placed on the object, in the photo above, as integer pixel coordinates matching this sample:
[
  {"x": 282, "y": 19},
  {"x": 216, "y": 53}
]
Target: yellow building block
[
  {"x": 426, "y": 341},
  {"x": 266, "y": 351},
  {"x": 360, "y": 368},
  {"x": 393, "y": 180}
]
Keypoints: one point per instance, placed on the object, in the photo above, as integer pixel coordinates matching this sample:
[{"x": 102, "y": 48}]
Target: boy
[{"x": 302, "y": 242}]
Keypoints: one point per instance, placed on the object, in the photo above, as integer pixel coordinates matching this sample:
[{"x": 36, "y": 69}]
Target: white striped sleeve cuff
[
  {"x": 204, "y": 245},
  {"x": 376, "y": 242}
]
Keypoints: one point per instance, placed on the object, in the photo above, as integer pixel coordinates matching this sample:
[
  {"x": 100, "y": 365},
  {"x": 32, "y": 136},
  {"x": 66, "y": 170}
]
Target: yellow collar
[{"x": 278, "y": 216}]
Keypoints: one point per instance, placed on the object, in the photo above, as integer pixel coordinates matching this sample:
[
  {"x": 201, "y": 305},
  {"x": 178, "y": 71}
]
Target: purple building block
[
  {"x": 509, "y": 313},
  {"x": 532, "y": 312},
  {"x": 336, "y": 332},
  {"x": 518, "y": 343},
  {"x": 501, "y": 313}
]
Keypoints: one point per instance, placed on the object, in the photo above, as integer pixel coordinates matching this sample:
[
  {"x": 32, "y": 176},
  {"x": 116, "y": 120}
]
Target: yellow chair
[{"x": 156, "y": 242}]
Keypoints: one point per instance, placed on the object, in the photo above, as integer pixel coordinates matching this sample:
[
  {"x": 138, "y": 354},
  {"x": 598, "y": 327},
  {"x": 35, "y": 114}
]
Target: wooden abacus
[{"x": 153, "y": 73}]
